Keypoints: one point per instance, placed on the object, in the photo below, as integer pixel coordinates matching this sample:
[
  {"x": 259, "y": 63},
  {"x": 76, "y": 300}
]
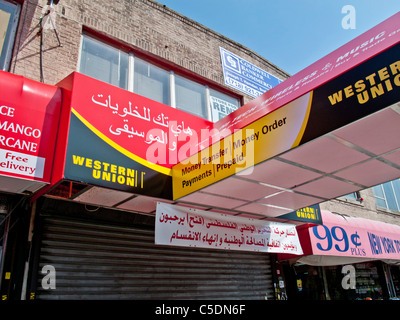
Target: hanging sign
[
  {"x": 311, "y": 214},
  {"x": 245, "y": 76},
  {"x": 187, "y": 227}
]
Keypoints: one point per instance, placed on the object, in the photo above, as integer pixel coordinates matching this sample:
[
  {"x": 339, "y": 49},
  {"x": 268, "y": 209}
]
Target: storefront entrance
[
  {"x": 98, "y": 253},
  {"x": 304, "y": 282},
  {"x": 360, "y": 281}
]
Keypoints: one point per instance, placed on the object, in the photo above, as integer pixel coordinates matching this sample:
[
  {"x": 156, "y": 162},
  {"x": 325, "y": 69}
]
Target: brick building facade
[
  {"x": 52, "y": 40},
  {"x": 49, "y": 45},
  {"x": 146, "y": 28},
  {"x": 150, "y": 30}
]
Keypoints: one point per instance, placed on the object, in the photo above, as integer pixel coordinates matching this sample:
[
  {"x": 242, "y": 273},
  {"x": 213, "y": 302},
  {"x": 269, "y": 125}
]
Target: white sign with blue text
[{"x": 245, "y": 76}]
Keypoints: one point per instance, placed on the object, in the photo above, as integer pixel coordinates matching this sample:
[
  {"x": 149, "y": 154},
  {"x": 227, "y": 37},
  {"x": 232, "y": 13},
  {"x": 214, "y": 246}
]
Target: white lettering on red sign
[{"x": 22, "y": 164}]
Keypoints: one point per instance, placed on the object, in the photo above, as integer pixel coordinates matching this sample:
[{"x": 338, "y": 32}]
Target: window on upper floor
[
  {"x": 151, "y": 82},
  {"x": 191, "y": 97},
  {"x": 117, "y": 67},
  {"x": 351, "y": 196},
  {"x": 104, "y": 62},
  {"x": 9, "y": 14},
  {"x": 387, "y": 195},
  {"x": 221, "y": 105}
]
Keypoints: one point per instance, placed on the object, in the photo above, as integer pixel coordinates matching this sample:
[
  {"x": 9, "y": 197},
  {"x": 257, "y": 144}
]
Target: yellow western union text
[{"x": 110, "y": 172}]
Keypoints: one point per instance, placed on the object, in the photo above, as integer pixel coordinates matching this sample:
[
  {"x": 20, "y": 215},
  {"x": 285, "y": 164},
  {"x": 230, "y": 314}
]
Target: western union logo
[
  {"x": 111, "y": 172},
  {"x": 308, "y": 213},
  {"x": 371, "y": 86}
]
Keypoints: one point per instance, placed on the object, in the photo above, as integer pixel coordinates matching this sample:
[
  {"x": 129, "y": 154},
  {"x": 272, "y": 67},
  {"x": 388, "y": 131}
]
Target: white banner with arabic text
[{"x": 187, "y": 227}]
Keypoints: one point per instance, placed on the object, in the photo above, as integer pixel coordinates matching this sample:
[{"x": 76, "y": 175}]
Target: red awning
[
  {"x": 342, "y": 239},
  {"x": 29, "y": 118}
]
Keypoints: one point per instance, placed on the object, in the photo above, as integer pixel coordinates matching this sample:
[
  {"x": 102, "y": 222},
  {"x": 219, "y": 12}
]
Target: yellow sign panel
[{"x": 269, "y": 136}]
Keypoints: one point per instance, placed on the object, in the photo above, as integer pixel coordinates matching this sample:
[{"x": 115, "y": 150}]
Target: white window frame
[
  {"x": 10, "y": 44},
  {"x": 131, "y": 79},
  {"x": 384, "y": 198},
  {"x": 381, "y": 198}
]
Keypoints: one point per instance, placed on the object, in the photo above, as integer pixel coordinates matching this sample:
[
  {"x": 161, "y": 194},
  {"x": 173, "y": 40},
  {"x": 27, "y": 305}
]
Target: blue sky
[{"x": 290, "y": 33}]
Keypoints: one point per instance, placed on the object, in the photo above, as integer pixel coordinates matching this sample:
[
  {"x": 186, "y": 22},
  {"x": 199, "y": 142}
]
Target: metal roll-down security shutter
[{"x": 101, "y": 261}]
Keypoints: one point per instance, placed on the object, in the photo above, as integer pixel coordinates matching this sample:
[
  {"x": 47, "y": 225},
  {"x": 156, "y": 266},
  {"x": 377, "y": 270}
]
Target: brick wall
[
  {"x": 146, "y": 27},
  {"x": 142, "y": 25},
  {"x": 366, "y": 209}
]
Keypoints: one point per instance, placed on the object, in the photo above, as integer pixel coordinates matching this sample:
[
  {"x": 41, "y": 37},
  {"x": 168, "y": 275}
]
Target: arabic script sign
[
  {"x": 123, "y": 141},
  {"x": 187, "y": 227}
]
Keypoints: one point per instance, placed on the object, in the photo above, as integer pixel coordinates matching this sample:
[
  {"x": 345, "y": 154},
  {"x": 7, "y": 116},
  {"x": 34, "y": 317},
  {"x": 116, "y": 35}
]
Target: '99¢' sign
[{"x": 335, "y": 234}]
